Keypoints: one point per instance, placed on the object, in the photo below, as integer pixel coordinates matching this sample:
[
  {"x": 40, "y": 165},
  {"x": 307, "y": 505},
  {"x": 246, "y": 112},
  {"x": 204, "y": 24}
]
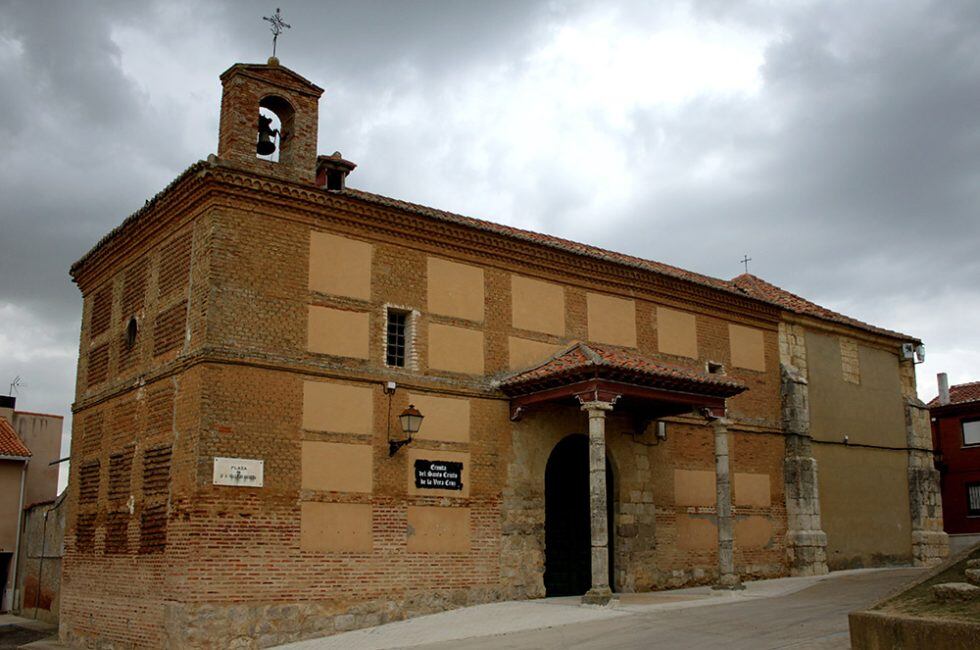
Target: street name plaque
[{"x": 238, "y": 472}]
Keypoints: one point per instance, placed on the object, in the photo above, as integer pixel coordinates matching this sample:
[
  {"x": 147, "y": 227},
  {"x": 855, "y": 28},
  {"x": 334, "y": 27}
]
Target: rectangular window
[
  {"x": 973, "y": 499},
  {"x": 396, "y": 341},
  {"x": 971, "y": 432}
]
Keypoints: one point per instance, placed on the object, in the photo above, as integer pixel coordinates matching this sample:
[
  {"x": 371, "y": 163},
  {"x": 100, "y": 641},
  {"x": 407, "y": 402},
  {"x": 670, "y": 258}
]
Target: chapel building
[{"x": 257, "y": 344}]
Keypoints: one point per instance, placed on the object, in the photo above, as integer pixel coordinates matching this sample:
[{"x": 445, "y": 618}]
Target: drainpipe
[
  {"x": 20, "y": 522},
  {"x": 40, "y": 562}
]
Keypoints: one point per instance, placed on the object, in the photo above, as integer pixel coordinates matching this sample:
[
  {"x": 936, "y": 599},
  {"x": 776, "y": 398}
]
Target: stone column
[
  {"x": 600, "y": 593},
  {"x": 727, "y": 577},
  {"x": 806, "y": 543},
  {"x": 929, "y": 543}
]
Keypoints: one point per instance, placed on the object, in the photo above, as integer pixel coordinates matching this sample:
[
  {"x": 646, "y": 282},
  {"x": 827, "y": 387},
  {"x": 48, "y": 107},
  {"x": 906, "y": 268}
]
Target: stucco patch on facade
[
  {"x": 338, "y": 332},
  {"x": 864, "y": 505},
  {"x": 747, "y": 347},
  {"x": 455, "y": 289},
  {"x": 611, "y": 319},
  {"x": 677, "y": 333},
  {"x": 456, "y": 349},
  {"x": 537, "y": 306},
  {"x": 524, "y": 353},
  {"x": 447, "y": 419},
  {"x": 337, "y": 407},
  {"x": 336, "y": 527},
  {"x": 437, "y": 529},
  {"x": 340, "y": 266},
  {"x": 694, "y": 487},
  {"x": 752, "y": 490},
  {"x": 337, "y": 467}
]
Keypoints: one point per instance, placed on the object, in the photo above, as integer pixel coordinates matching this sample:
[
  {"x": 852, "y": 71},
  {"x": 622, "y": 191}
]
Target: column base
[
  {"x": 729, "y": 581},
  {"x": 598, "y": 596}
]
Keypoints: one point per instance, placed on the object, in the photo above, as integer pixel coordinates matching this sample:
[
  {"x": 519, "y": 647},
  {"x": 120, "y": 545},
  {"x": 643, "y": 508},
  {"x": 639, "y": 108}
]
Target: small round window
[{"x": 132, "y": 329}]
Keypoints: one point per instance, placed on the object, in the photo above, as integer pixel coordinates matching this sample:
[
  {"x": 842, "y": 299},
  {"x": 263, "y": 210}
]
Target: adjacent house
[
  {"x": 956, "y": 438},
  {"x": 29, "y": 448}
]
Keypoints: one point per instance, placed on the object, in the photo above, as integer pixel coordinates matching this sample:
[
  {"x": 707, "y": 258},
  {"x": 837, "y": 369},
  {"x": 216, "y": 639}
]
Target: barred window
[
  {"x": 397, "y": 338},
  {"x": 973, "y": 499}
]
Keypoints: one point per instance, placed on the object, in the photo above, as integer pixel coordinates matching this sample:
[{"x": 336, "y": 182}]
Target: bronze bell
[{"x": 265, "y": 145}]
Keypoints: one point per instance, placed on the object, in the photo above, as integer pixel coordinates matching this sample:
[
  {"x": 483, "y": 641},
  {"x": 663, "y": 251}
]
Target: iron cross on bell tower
[{"x": 277, "y": 25}]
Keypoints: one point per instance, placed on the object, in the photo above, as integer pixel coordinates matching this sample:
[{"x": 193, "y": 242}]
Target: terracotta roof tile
[
  {"x": 547, "y": 240},
  {"x": 586, "y": 360},
  {"x": 759, "y": 288},
  {"x": 960, "y": 394},
  {"x": 10, "y": 442}
]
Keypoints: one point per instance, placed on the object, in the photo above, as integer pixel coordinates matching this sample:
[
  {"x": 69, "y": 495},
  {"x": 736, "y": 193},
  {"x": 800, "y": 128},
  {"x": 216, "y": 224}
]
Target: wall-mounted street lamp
[{"x": 411, "y": 421}]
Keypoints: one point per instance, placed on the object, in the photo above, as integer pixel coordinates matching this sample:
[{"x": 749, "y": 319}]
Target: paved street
[{"x": 786, "y": 613}]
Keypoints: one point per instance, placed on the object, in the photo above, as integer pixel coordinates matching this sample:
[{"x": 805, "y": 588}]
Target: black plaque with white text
[{"x": 438, "y": 475}]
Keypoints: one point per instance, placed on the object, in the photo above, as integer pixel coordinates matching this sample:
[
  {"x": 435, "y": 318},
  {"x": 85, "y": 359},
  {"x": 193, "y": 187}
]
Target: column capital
[{"x": 596, "y": 408}]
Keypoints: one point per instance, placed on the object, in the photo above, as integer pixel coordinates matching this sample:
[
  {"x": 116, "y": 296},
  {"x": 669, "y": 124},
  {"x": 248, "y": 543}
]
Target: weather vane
[
  {"x": 277, "y": 25},
  {"x": 745, "y": 260}
]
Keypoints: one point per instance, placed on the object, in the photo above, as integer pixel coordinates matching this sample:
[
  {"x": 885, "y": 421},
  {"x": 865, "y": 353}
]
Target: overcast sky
[{"x": 836, "y": 143}]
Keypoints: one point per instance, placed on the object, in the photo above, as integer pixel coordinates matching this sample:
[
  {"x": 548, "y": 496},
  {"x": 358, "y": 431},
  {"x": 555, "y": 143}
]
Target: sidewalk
[
  {"x": 518, "y": 616},
  {"x": 20, "y": 632}
]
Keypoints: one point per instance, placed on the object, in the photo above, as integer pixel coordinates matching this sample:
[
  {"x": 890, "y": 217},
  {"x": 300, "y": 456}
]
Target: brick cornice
[
  {"x": 217, "y": 180},
  {"x": 309, "y": 203}
]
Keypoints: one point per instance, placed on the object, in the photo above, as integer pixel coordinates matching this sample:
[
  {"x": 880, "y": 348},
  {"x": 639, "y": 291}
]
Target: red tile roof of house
[
  {"x": 583, "y": 361},
  {"x": 759, "y": 288},
  {"x": 10, "y": 442},
  {"x": 960, "y": 394}
]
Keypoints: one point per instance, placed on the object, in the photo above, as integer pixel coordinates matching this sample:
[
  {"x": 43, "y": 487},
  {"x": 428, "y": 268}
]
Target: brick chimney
[
  {"x": 332, "y": 171},
  {"x": 7, "y": 403}
]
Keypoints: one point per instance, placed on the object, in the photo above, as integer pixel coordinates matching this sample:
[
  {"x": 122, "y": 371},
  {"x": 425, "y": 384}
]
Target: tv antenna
[{"x": 15, "y": 384}]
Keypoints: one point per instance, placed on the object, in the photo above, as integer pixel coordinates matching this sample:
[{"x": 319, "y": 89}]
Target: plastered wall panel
[
  {"x": 338, "y": 332},
  {"x": 337, "y": 467},
  {"x": 747, "y": 347},
  {"x": 455, "y": 289},
  {"x": 696, "y": 532},
  {"x": 434, "y": 529},
  {"x": 677, "y": 333},
  {"x": 864, "y": 505},
  {"x": 437, "y": 455},
  {"x": 340, "y": 266},
  {"x": 752, "y": 532},
  {"x": 752, "y": 490},
  {"x": 456, "y": 349},
  {"x": 336, "y": 407},
  {"x": 336, "y": 527},
  {"x": 446, "y": 418},
  {"x": 611, "y": 320},
  {"x": 871, "y": 412},
  {"x": 537, "y": 306},
  {"x": 525, "y": 353},
  {"x": 694, "y": 487}
]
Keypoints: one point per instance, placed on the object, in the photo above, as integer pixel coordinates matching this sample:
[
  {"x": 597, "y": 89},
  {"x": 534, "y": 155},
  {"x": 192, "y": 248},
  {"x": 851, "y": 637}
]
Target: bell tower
[{"x": 253, "y": 97}]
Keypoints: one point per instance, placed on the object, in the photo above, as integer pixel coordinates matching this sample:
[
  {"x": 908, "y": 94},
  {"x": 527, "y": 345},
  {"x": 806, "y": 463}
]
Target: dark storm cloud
[{"x": 849, "y": 173}]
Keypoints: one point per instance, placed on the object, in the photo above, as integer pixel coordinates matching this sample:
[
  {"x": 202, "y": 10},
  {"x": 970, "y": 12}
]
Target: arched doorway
[{"x": 567, "y": 525}]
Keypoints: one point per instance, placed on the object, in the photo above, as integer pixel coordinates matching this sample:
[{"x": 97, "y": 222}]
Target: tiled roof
[
  {"x": 759, "y": 288},
  {"x": 547, "y": 240},
  {"x": 583, "y": 361},
  {"x": 960, "y": 394},
  {"x": 10, "y": 442}
]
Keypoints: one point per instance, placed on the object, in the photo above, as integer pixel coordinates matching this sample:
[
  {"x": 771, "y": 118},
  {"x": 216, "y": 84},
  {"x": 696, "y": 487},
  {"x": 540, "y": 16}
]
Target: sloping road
[{"x": 815, "y": 617}]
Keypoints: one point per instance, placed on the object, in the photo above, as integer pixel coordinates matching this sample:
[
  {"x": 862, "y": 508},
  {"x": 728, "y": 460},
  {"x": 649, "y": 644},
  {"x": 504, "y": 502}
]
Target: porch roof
[{"x": 591, "y": 371}]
